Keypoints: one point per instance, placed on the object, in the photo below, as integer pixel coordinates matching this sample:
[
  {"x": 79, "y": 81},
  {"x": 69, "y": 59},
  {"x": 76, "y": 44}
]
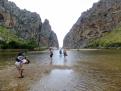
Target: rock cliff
[
  {"x": 95, "y": 23},
  {"x": 26, "y": 24},
  {"x": 47, "y": 35}
]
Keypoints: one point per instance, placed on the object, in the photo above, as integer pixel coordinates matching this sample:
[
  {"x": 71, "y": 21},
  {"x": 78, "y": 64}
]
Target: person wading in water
[
  {"x": 65, "y": 53},
  {"x": 60, "y": 51},
  {"x": 51, "y": 54},
  {"x": 20, "y": 60}
]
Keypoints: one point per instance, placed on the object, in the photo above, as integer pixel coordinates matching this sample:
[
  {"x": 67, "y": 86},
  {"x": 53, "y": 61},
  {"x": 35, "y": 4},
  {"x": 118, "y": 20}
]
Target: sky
[{"x": 62, "y": 14}]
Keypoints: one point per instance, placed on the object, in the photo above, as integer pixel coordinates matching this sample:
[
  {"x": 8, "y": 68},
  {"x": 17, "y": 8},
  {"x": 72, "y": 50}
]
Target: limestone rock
[
  {"x": 103, "y": 17},
  {"x": 26, "y": 24},
  {"x": 47, "y": 35}
]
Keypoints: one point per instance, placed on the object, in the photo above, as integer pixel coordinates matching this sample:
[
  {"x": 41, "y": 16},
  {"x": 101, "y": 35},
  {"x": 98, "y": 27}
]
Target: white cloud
[{"x": 62, "y": 14}]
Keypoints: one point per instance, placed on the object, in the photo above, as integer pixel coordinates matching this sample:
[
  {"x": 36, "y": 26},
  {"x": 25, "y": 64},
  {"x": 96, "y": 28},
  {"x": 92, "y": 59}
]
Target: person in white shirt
[{"x": 20, "y": 60}]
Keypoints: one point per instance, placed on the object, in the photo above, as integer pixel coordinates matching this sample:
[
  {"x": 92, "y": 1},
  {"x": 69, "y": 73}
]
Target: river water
[{"x": 81, "y": 70}]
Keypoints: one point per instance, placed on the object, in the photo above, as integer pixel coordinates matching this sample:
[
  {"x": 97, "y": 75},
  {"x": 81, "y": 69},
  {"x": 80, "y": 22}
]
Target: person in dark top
[
  {"x": 65, "y": 53},
  {"x": 60, "y": 51},
  {"x": 51, "y": 53}
]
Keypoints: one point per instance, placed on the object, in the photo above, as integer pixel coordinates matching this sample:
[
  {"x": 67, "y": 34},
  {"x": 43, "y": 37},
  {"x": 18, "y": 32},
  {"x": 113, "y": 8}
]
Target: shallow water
[
  {"x": 6, "y": 59},
  {"x": 81, "y": 70},
  {"x": 89, "y": 70}
]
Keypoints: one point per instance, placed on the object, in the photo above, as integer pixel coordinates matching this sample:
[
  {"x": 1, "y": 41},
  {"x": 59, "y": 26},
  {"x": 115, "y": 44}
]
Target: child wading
[{"x": 20, "y": 60}]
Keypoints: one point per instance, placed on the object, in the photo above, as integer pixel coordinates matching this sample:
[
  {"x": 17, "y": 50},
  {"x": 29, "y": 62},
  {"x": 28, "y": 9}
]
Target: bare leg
[
  {"x": 20, "y": 70},
  {"x": 21, "y": 73}
]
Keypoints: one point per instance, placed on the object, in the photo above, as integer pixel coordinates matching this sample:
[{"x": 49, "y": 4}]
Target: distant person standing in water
[
  {"x": 51, "y": 53},
  {"x": 65, "y": 53},
  {"x": 60, "y": 51}
]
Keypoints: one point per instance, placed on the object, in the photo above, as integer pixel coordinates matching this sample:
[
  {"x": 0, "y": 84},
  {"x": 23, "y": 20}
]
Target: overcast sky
[{"x": 62, "y": 14}]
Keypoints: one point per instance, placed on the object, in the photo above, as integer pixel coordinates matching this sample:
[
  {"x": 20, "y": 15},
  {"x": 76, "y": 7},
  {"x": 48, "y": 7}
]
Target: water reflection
[
  {"x": 57, "y": 80},
  {"x": 51, "y": 61},
  {"x": 65, "y": 61}
]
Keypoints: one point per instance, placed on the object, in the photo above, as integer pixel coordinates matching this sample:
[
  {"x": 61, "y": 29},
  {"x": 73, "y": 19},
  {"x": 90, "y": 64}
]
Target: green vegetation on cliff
[
  {"x": 110, "y": 40},
  {"x": 8, "y": 40}
]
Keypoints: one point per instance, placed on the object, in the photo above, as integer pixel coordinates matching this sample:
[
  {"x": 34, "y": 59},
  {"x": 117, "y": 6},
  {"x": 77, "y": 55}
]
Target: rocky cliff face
[
  {"x": 102, "y": 18},
  {"x": 47, "y": 35},
  {"x": 26, "y": 25}
]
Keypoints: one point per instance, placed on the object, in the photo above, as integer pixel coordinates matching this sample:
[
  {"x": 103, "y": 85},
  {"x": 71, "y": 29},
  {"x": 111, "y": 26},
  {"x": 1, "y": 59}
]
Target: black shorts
[
  {"x": 51, "y": 55},
  {"x": 65, "y": 54}
]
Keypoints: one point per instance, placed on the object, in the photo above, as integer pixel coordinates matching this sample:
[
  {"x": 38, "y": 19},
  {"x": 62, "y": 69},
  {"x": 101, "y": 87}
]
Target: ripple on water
[
  {"x": 57, "y": 80},
  {"x": 65, "y": 80}
]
